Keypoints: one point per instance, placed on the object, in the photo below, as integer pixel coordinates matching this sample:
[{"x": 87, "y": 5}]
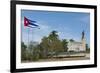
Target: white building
[{"x": 77, "y": 46}]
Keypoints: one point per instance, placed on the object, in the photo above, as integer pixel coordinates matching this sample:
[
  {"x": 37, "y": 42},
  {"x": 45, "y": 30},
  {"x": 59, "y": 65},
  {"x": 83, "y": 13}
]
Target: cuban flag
[{"x": 30, "y": 23}]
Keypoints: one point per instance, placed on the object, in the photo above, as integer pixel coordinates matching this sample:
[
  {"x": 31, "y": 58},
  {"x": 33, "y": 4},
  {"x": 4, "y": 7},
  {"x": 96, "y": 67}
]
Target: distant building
[{"x": 78, "y": 46}]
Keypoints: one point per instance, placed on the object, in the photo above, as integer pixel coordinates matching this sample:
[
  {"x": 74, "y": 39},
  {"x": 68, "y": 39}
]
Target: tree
[
  {"x": 87, "y": 48},
  {"x": 65, "y": 44},
  {"x": 44, "y": 47},
  {"x": 36, "y": 53},
  {"x": 23, "y": 51},
  {"x": 51, "y": 45},
  {"x": 30, "y": 47},
  {"x": 54, "y": 42},
  {"x": 31, "y": 52}
]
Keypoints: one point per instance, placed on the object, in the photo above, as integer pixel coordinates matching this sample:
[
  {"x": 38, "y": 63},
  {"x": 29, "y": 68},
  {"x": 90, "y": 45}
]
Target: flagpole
[
  {"x": 32, "y": 36},
  {"x": 29, "y": 23},
  {"x": 28, "y": 36}
]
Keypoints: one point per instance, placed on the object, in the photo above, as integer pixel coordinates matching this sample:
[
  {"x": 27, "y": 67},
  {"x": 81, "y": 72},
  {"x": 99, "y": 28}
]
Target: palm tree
[
  {"x": 71, "y": 40},
  {"x": 54, "y": 42},
  {"x": 53, "y": 35}
]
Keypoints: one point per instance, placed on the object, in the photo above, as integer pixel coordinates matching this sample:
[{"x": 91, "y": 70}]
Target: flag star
[{"x": 26, "y": 22}]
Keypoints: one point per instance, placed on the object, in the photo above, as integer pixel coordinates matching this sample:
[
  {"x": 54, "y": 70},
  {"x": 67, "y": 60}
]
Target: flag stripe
[
  {"x": 33, "y": 24},
  {"x": 32, "y": 21}
]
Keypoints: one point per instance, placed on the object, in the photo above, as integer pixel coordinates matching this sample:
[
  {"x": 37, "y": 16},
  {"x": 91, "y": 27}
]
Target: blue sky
[{"x": 68, "y": 24}]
